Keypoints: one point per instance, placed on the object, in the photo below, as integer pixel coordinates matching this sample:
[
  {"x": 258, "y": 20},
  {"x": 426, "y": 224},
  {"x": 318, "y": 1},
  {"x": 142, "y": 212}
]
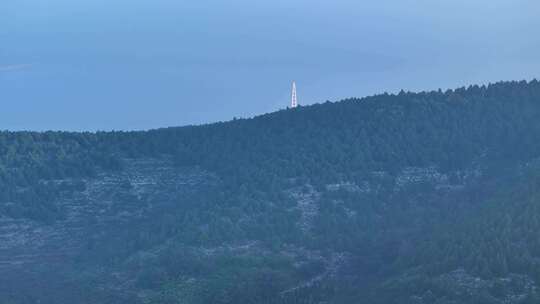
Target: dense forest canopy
[
  {"x": 402, "y": 243},
  {"x": 371, "y": 129},
  {"x": 321, "y": 142}
]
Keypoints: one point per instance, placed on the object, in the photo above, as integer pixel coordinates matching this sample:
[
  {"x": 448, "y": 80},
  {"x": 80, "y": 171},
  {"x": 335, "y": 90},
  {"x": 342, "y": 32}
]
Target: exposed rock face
[
  {"x": 307, "y": 199},
  {"x": 93, "y": 213},
  {"x": 100, "y": 210},
  {"x": 512, "y": 289}
]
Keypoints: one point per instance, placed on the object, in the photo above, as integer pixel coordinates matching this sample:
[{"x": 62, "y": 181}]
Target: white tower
[{"x": 294, "y": 102}]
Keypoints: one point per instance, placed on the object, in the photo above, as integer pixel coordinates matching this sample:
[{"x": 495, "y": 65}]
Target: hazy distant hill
[{"x": 411, "y": 198}]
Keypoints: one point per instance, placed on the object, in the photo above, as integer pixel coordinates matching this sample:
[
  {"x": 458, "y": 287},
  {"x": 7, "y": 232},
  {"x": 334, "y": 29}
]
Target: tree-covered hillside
[{"x": 411, "y": 198}]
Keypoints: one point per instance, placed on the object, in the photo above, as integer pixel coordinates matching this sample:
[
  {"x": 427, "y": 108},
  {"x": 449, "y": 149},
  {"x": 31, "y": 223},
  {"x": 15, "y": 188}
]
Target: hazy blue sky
[{"x": 129, "y": 64}]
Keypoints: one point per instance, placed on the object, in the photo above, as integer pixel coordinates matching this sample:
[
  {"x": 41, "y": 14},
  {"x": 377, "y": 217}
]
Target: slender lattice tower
[{"x": 294, "y": 102}]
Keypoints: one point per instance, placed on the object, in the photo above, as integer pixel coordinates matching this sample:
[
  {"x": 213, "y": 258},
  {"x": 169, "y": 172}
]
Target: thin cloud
[{"x": 13, "y": 67}]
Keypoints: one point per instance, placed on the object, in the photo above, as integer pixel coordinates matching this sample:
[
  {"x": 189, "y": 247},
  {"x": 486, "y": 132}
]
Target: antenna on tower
[{"x": 294, "y": 102}]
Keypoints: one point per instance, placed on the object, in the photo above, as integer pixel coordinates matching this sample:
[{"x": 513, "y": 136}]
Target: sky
[{"x": 134, "y": 65}]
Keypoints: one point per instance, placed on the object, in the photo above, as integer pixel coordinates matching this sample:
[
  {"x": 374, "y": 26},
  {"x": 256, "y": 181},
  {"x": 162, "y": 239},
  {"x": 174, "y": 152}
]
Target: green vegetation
[{"x": 477, "y": 215}]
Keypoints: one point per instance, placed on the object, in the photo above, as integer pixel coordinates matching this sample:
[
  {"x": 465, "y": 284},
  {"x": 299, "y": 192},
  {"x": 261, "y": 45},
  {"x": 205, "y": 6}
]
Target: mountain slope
[{"x": 410, "y": 198}]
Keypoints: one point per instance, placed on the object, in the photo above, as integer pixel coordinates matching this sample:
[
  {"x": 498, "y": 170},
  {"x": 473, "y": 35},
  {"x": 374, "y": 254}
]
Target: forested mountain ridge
[{"x": 409, "y": 198}]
